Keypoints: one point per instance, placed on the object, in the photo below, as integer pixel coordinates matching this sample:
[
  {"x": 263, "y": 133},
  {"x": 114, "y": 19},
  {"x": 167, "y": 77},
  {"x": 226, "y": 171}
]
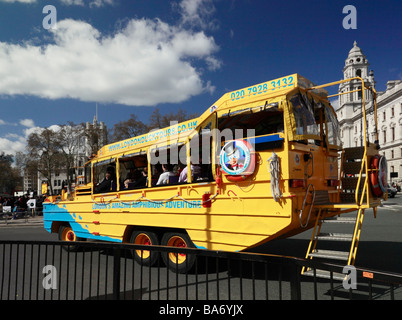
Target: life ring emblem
[
  {"x": 378, "y": 175},
  {"x": 237, "y": 159}
]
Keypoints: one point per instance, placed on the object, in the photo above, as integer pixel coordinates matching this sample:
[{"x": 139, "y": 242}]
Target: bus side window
[
  {"x": 268, "y": 121},
  {"x": 133, "y": 173},
  {"x": 105, "y": 179},
  {"x": 200, "y": 153},
  {"x": 165, "y": 165},
  {"x": 87, "y": 173}
]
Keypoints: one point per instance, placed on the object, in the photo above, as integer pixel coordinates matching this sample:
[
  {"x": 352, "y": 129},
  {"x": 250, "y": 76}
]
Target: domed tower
[
  {"x": 349, "y": 110},
  {"x": 356, "y": 65}
]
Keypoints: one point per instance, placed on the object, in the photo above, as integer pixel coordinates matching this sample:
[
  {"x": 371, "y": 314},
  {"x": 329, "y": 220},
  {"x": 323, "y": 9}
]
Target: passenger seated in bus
[
  {"x": 129, "y": 178},
  {"x": 108, "y": 183},
  {"x": 195, "y": 171},
  {"x": 139, "y": 180},
  {"x": 156, "y": 173},
  {"x": 167, "y": 172}
]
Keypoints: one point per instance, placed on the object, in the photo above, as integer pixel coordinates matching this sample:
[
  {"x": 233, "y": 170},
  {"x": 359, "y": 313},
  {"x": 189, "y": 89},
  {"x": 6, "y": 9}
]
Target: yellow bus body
[{"x": 242, "y": 214}]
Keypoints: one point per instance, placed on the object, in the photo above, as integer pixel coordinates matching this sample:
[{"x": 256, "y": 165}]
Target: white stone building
[
  {"x": 95, "y": 138},
  {"x": 389, "y": 112}
]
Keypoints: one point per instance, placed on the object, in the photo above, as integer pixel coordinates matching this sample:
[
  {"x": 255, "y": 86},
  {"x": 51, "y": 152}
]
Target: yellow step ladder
[
  {"x": 319, "y": 235},
  {"x": 354, "y": 162}
]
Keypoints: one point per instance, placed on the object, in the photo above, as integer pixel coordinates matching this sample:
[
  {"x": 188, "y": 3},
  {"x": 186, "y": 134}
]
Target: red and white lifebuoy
[
  {"x": 237, "y": 159},
  {"x": 378, "y": 175}
]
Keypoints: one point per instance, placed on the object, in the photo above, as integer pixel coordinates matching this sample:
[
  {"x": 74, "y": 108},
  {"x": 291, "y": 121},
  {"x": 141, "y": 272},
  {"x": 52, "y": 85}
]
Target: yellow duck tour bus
[{"x": 259, "y": 164}]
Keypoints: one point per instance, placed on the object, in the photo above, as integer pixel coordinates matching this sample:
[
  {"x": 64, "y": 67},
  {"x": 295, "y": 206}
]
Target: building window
[
  {"x": 392, "y": 154},
  {"x": 383, "y": 116},
  {"x": 392, "y": 111},
  {"x": 359, "y": 93},
  {"x": 393, "y": 134},
  {"x": 385, "y": 136}
]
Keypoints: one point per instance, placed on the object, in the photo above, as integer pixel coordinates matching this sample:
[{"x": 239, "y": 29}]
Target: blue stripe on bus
[
  {"x": 265, "y": 139},
  {"x": 52, "y": 212}
]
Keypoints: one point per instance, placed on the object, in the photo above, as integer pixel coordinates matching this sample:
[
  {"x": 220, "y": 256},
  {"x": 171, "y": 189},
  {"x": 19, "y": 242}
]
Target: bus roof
[{"x": 231, "y": 101}]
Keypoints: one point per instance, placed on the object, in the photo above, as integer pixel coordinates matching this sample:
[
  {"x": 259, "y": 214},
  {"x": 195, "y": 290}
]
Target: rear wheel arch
[{"x": 56, "y": 225}]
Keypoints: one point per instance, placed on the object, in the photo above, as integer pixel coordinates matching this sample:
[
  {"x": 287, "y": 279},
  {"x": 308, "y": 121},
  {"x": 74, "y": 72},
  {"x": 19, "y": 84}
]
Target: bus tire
[
  {"x": 145, "y": 257},
  {"x": 178, "y": 262},
  {"x": 67, "y": 234}
]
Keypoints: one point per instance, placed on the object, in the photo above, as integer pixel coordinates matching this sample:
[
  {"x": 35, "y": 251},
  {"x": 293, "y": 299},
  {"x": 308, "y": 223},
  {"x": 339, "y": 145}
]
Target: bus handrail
[{"x": 304, "y": 203}]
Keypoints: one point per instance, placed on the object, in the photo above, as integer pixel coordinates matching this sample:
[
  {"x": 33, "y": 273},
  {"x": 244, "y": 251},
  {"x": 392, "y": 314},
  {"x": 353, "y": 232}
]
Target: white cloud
[
  {"x": 93, "y": 3},
  {"x": 145, "y": 63},
  {"x": 197, "y": 13},
  {"x": 5, "y": 123},
  {"x": 27, "y": 123},
  {"x": 101, "y": 3},
  {"x": 22, "y": 1},
  {"x": 73, "y": 2},
  {"x": 12, "y": 146},
  {"x": 12, "y": 143}
]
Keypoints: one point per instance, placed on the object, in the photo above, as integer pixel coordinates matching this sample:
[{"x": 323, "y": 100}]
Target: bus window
[
  {"x": 165, "y": 165},
  {"x": 333, "y": 127},
  {"x": 133, "y": 171},
  {"x": 87, "y": 173},
  {"x": 267, "y": 121},
  {"x": 305, "y": 126},
  {"x": 105, "y": 176},
  {"x": 200, "y": 155}
]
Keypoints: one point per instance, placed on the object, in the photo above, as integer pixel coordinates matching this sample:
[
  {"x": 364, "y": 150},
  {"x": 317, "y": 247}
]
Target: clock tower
[{"x": 350, "y": 100}]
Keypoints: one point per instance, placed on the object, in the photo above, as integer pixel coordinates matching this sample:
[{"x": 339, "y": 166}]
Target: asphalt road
[
  {"x": 380, "y": 249},
  {"x": 380, "y": 243}
]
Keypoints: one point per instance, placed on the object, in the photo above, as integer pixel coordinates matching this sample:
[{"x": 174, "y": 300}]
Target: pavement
[{"x": 21, "y": 222}]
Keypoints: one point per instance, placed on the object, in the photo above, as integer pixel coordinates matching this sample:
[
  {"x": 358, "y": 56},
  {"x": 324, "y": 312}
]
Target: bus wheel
[
  {"x": 178, "y": 262},
  {"x": 67, "y": 234},
  {"x": 145, "y": 238}
]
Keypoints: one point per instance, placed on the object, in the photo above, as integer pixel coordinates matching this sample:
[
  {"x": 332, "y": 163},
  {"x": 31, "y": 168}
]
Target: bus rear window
[
  {"x": 87, "y": 173},
  {"x": 303, "y": 112},
  {"x": 264, "y": 122},
  {"x": 333, "y": 127}
]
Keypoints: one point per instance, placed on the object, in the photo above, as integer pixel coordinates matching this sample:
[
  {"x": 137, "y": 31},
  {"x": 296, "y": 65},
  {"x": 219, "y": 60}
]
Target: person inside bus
[
  {"x": 108, "y": 183},
  {"x": 167, "y": 172},
  {"x": 129, "y": 178},
  {"x": 195, "y": 171},
  {"x": 156, "y": 171},
  {"x": 139, "y": 180}
]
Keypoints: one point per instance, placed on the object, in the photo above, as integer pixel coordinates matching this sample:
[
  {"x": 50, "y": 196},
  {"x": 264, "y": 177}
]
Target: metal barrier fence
[
  {"x": 20, "y": 215},
  {"x": 37, "y": 270}
]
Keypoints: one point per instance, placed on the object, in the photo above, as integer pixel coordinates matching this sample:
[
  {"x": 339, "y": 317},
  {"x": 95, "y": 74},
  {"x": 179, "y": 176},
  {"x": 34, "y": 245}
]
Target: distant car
[{"x": 391, "y": 192}]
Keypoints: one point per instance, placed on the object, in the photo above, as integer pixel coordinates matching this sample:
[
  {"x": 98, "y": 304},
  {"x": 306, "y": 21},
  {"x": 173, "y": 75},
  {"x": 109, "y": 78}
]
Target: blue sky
[{"x": 130, "y": 56}]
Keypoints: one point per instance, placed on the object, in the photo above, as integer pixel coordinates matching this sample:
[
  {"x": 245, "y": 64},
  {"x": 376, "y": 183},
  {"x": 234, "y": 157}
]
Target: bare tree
[
  {"x": 71, "y": 146},
  {"x": 129, "y": 128},
  {"x": 44, "y": 153},
  {"x": 10, "y": 177},
  {"x": 157, "y": 120}
]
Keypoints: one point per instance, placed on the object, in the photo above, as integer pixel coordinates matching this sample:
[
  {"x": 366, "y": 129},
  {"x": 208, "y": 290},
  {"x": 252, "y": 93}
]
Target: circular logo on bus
[
  {"x": 235, "y": 157},
  {"x": 383, "y": 174}
]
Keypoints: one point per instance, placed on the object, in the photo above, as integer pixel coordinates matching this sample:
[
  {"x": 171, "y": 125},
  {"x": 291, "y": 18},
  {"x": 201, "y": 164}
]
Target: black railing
[{"x": 43, "y": 271}]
